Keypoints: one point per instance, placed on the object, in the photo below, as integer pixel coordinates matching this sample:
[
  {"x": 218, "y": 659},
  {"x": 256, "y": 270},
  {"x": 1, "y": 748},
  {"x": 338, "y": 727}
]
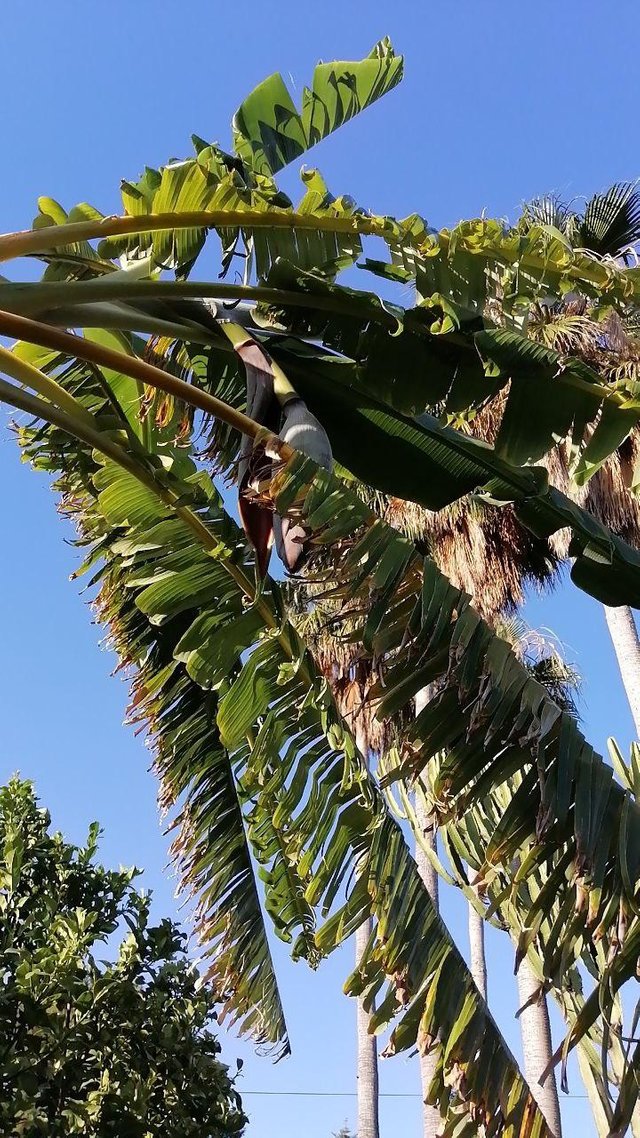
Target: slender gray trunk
[
  {"x": 367, "y": 1045},
  {"x": 624, "y": 634},
  {"x": 368, "y": 1125},
  {"x": 431, "y": 1117},
  {"x": 478, "y": 962},
  {"x": 537, "y": 1048}
]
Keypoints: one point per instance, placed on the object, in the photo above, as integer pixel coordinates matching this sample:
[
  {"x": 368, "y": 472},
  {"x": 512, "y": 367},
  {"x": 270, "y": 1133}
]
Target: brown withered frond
[
  {"x": 488, "y": 553},
  {"x": 348, "y": 668},
  {"x": 481, "y": 549}
]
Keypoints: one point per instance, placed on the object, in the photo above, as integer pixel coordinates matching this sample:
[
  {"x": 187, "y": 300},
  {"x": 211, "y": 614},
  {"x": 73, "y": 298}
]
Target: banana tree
[
  {"x": 253, "y": 756},
  {"x": 256, "y": 758}
]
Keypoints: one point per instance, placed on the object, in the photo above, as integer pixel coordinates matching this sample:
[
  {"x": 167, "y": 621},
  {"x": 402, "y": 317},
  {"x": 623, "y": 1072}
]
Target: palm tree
[
  {"x": 367, "y": 1053},
  {"x": 367, "y": 1045},
  {"x": 609, "y": 226},
  {"x": 624, "y": 634},
  {"x": 352, "y": 678},
  {"x": 493, "y": 558}
]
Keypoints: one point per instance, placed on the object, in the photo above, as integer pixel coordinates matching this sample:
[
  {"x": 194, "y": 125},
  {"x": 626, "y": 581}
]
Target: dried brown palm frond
[
  {"x": 342, "y": 661},
  {"x": 607, "y": 495},
  {"x": 481, "y": 549},
  {"x": 488, "y": 553}
]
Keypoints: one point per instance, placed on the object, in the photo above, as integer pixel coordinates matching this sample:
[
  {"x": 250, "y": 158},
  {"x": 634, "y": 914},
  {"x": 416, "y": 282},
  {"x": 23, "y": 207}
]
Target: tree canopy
[{"x": 105, "y": 1028}]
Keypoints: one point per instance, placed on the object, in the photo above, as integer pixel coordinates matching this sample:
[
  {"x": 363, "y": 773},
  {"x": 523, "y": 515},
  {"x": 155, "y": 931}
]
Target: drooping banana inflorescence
[
  {"x": 255, "y": 465},
  {"x": 275, "y": 405},
  {"x": 302, "y": 431}
]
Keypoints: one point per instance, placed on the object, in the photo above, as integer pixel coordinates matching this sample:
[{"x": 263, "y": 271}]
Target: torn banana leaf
[{"x": 243, "y": 725}]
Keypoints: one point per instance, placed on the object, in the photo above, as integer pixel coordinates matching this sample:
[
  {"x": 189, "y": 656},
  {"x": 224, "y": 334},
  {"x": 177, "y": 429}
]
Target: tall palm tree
[
  {"x": 609, "y": 226},
  {"x": 493, "y": 558},
  {"x": 367, "y": 1044},
  {"x": 351, "y": 677},
  {"x": 626, "y": 642}
]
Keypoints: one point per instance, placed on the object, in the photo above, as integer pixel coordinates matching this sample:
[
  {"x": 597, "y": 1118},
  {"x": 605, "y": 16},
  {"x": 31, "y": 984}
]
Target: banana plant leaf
[
  {"x": 434, "y": 355},
  {"x": 409, "y": 359},
  {"x": 424, "y": 461},
  {"x": 241, "y": 721},
  {"x": 269, "y": 132},
  {"x": 432, "y": 464},
  {"x": 489, "y": 716},
  {"x": 530, "y": 903}
]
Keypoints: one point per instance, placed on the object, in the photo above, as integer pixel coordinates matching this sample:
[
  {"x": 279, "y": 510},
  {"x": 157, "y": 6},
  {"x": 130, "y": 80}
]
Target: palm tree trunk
[
  {"x": 431, "y": 1118},
  {"x": 624, "y": 634},
  {"x": 368, "y": 1126},
  {"x": 478, "y": 962},
  {"x": 367, "y": 1045},
  {"x": 537, "y": 1048}
]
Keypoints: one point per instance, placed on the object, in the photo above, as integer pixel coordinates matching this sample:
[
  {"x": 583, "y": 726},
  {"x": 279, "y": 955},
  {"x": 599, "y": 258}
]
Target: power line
[
  {"x": 327, "y": 1094},
  {"x": 353, "y": 1094}
]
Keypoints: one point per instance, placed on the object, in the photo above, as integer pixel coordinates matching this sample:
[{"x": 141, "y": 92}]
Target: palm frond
[
  {"x": 611, "y": 221},
  {"x": 548, "y": 210},
  {"x": 565, "y": 332}
]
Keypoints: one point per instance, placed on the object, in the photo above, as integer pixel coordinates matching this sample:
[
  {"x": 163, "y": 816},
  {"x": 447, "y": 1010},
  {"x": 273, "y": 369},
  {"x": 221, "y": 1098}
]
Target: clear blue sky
[{"x": 500, "y": 102}]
